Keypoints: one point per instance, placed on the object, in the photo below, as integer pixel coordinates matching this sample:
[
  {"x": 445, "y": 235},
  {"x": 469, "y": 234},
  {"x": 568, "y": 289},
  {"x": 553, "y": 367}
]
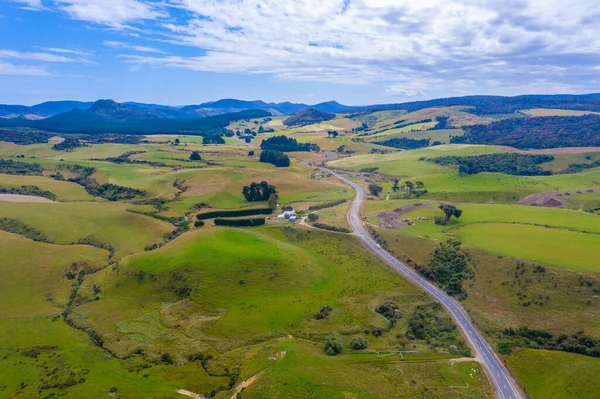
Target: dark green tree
[
  {"x": 375, "y": 189},
  {"x": 195, "y": 156},
  {"x": 357, "y": 342}
]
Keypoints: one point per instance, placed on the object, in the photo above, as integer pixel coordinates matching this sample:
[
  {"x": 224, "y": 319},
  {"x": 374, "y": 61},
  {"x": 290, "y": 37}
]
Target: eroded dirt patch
[
  {"x": 393, "y": 219},
  {"x": 552, "y": 199},
  {"x": 22, "y": 198}
]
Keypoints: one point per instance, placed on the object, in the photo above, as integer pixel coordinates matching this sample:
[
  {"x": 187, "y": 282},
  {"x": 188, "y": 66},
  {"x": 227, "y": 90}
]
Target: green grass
[
  {"x": 33, "y": 282},
  {"x": 442, "y": 135},
  {"x": 106, "y": 223},
  {"x": 64, "y": 191},
  {"x": 556, "y": 375},
  {"x": 550, "y": 246}
]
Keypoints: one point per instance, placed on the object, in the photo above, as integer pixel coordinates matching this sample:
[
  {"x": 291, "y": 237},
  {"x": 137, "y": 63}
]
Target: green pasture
[
  {"x": 65, "y": 191},
  {"x": 556, "y": 375},
  {"x": 106, "y": 223},
  {"x": 34, "y": 282}
]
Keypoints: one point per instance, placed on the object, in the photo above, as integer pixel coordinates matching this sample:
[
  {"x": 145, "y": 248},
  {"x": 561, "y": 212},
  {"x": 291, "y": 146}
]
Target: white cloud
[
  {"x": 29, "y": 4},
  {"x": 24, "y": 70},
  {"x": 121, "y": 45},
  {"x": 411, "y": 47},
  {"x": 45, "y": 57},
  {"x": 109, "y": 12},
  {"x": 65, "y": 51}
]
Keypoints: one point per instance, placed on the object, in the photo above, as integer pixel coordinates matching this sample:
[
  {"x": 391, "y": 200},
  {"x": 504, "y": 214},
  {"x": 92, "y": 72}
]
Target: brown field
[
  {"x": 556, "y": 112},
  {"x": 22, "y": 198}
]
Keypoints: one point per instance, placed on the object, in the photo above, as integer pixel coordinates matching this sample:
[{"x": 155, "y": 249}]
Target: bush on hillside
[
  {"x": 276, "y": 158},
  {"x": 334, "y": 345}
]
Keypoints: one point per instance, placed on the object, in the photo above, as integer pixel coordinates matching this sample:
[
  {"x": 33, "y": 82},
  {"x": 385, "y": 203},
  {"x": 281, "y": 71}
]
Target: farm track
[{"x": 503, "y": 383}]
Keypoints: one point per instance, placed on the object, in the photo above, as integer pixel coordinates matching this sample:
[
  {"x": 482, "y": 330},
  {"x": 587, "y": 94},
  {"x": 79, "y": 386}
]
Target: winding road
[{"x": 504, "y": 385}]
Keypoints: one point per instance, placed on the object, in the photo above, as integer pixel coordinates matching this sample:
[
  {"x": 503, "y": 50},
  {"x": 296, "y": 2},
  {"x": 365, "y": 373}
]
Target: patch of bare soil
[
  {"x": 246, "y": 384},
  {"x": 307, "y": 134},
  {"x": 55, "y": 140},
  {"x": 22, "y": 198},
  {"x": 190, "y": 394},
  {"x": 392, "y": 220},
  {"x": 552, "y": 199},
  {"x": 557, "y": 151}
]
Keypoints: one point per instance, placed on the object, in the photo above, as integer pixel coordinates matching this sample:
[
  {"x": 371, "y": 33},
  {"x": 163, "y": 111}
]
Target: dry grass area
[{"x": 22, "y": 198}]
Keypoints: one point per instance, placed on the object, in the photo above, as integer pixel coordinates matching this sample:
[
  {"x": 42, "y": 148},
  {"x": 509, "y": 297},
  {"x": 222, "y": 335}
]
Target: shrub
[
  {"x": 334, "y": 345},
  {"x": 326, "y": 205},
  {"x": 240, "y": 222},
  {"x": 199, "y": 223},
  {"x": 195, "y": 156},
  {"x": 323, "y": 312},
  {"x": 312, "y": 217},
  {"x": 389, "y": 310},
  {"x": 323, "y": 226},
  {"x": 235, "y": 213},
  {"x": 357, "y": 342}
]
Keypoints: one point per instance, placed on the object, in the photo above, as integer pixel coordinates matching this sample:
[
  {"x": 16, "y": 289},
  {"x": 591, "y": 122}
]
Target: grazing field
[
  {"x": 550, "y": 246},
  {"x": 556, "y": 375},
  {"x": 64, "y": 191},
  {"x": 101, "y": 223},
  {"x": 555, "y": 112},
  {"x": 34, "y": 282}
]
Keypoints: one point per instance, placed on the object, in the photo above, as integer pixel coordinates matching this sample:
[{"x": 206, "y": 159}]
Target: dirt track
[
  {"x": 552, "y": 199},
  {"x": 391, "y": 220},
  {"x": 23, "y": 198}
]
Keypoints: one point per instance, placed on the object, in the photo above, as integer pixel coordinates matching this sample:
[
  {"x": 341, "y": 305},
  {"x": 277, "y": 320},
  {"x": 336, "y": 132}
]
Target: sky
[{"x": 357, "y": 52}]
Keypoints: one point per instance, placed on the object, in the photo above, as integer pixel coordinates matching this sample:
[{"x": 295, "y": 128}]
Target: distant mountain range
[
  {"x": 132, "y": 110},
  {"x": 130, "y": 117}
]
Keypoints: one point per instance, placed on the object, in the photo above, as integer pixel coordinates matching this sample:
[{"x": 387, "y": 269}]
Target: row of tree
[
  {"x": 287, "y": 144},
  {"x": 507, "y": 163}
]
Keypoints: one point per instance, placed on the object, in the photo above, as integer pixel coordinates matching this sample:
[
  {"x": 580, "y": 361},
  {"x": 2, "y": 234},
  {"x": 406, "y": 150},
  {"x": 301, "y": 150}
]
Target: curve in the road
[{"x": 504, "y": 385}]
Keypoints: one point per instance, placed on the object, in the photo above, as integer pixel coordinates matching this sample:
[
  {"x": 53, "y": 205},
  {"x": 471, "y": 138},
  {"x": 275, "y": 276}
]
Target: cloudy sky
[{"x": 353, "y": 51}]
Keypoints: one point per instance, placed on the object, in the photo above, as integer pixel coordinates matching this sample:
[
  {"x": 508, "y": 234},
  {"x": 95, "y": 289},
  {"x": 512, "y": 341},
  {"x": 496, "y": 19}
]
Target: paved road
[{"x": 503, "y": 383}]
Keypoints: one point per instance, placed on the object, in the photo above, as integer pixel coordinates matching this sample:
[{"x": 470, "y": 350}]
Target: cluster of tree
[
  {"x": 88, "y": 122},
  {"x": 442, "y": 123},
  {"x": 111, "y": 192},
  {"x": 234, "y": 213},
  {"x": 429, "y": 323},
  {"x": 195, "y": 156},
  {"x": 199, "y": 223},
  {"x": 580, "y": 167},
  {"x": 9, "y": 167},
  {"x": 391, "y": 311},
  {"x": 332, "y": 133},
  {"x": 493, "y": 105},
  {"x": 261, "y": 129},
  {"x": 287, "y": 144},
  {"x": 256, "y": 192},
  {"x": 448, "y": 268},
  {"x": 409, "y": 188},
  {"x": 276, "y": 158},
  {"x": 507, "y": 163},
  {"x": 308, "y": 117},
  {"x": 405, "y": 143},
  {"x": 402, "y": 123},
  {"x": 24, "y": 136},
  {"x": 448, "y": 211},
  {"x": 539, "y": 132},
  {"x": 323, "y": 226},
  {"x": 375, "y": 189},
  {"x": 28, "y": 190},
  {"x": 240, "y": 222},
  {"x": 212, "y": 139},
  {"x": 325, "y": 205},
  {"x": 125, "y": 158},
  {"x": 541, "y": 339},
  {"x": 17, "y": 227},
  {"x": 324, "y": 312},
  {"x": 68, "y": 144}
]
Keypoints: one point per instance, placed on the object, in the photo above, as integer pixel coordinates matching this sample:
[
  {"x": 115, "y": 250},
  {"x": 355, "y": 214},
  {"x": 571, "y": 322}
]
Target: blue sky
[{"x": 353, "y": 51}]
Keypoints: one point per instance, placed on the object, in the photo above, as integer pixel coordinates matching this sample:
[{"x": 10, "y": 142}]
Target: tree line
[
  {"x": 287, "y": 144},
  {"x": 507, "y": 163},
  {"x": 538, "y": 132}
]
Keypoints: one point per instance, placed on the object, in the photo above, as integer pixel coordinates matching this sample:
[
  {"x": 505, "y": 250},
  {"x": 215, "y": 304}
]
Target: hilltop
[{"x": 308, "y": 117}]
